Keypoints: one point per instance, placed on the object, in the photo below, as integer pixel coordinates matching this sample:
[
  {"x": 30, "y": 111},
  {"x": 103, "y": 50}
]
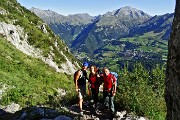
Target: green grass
[
  {"x": 30, "y": 81},
  {"x": 28, "y": 78}
]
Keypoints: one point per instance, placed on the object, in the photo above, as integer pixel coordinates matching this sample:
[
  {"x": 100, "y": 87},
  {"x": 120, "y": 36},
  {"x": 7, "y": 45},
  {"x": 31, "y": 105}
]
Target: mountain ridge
[{"x": 107, "y": 30}]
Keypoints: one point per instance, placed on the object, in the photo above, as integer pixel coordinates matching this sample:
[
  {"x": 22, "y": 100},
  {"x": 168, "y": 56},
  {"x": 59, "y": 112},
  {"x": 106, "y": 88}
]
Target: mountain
[
  {"x": 34, "y": 62},
  {"x": 67, "y": 27},
  {"x": 157, "y": 24},
  {"x": 110, "y": 26},
  {"x": 125, "y": 31},
  {"x": 116, "y": 23}
]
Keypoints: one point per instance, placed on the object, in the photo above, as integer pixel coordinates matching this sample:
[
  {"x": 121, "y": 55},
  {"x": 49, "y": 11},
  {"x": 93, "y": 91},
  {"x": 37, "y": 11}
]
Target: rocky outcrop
[
  {"x": 172, "y": 91},
  {"x": 12, "y": 108},
  {"x": 43, "y": 113},
  {"x": 16, "y": 36},
  {"x": 3, "y": 11},
  {"x": 3, "y": 89}
]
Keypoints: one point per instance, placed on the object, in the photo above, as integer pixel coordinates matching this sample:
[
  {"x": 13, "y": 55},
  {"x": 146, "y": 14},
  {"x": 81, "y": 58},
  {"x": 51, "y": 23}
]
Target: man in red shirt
[{"x": 109, "y": 89}]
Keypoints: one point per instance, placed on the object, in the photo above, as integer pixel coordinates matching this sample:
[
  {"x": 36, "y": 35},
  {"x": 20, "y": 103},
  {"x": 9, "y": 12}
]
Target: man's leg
[
  {"x": 81, "y": 100},
  {"x": 106, "y": 99},
  {"x": 112, "y": 104},
  {"x": 80, "y": 104}
]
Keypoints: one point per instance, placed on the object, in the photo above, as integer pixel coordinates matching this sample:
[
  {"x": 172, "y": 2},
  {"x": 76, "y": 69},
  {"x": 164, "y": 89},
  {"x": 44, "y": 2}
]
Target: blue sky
[{"x": 96, "y": 7}]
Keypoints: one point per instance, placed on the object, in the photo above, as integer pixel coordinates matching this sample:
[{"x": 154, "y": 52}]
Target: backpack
[
  {"x": 75, "y": 74},
  {"x": 81, "y": 76},
  {"x": 116, "y": 76}
]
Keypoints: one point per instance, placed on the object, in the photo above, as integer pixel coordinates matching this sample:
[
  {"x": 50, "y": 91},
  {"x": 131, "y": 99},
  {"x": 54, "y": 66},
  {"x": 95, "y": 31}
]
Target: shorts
[{"x": 82, "y": 91}]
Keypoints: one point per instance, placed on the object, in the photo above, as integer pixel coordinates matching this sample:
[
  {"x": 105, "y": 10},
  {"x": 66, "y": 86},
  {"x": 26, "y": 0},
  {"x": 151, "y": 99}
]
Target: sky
[{"x": 100, "y": 7}]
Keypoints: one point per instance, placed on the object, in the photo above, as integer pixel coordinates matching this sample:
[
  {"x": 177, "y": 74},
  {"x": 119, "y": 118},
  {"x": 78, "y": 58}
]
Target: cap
[{"x": 85, "y": 64}]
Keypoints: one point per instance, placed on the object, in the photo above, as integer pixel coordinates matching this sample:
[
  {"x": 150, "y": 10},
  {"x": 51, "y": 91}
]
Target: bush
[{"x": 136, "y": 92}]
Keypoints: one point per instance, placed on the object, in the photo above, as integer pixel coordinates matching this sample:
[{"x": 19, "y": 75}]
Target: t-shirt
[
  {"x": 108, "y": 82},
  {"x": 93, "y": 80},
  {"x": 82, "y": 79}
]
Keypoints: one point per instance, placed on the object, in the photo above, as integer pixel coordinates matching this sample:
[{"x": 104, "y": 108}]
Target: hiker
[
  {"x": 93, "y": 84},
  {"x": 80, "y": 78},
  {"x": 109, "y": 89}
]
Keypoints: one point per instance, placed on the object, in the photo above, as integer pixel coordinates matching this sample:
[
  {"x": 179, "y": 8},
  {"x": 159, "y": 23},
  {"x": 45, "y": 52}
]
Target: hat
[{"x": 85, "y": 64}]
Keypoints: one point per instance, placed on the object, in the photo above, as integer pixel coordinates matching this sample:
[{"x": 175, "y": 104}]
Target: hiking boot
[
  {"x": 91, "y": 101},
  {"x": 81, "y": 113},
  {"x": 106, "y": 108},
  {"x": 114, "y": 114}
]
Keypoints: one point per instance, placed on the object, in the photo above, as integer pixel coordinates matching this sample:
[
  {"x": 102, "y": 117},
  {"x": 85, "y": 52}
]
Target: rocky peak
[
  {"x": 83, "y": 18},
  {"x": 44, "y": 12},
  {"x": 48, "y": 16},
  {"x": 125, "y": 17},
  {"x": 131, "y": 12}
]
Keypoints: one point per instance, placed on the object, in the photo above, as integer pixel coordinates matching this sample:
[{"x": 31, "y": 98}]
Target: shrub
[{"x": 136, "y": 92}]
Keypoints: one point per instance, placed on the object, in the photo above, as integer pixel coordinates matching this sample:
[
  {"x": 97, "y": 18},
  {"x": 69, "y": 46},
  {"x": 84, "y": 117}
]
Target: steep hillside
[
  {"x": 33, "y": 37},
  {"x": 156, "y": 24},
  {"x": 34, "y": 63},
  {"x": 24, "y": 77}
]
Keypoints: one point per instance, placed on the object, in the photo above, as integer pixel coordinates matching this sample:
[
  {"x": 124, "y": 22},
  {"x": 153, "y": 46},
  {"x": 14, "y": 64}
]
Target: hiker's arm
[
  {"x": 114, "y": 84},
  {"x": 76, "y": 79}
]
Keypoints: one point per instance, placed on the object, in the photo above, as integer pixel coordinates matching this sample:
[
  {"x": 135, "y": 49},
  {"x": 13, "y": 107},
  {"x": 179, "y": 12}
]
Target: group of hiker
[{"x": 95, "y": 79}]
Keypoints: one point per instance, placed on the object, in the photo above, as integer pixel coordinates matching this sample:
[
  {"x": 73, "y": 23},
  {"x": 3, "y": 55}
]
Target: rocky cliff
[{"x": 172, "y": 94}]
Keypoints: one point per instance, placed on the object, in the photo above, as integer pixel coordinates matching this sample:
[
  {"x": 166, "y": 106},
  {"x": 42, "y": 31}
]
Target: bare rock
[
  {"x": 12, "y": 108},
  {"x": 62, "y": 118}
]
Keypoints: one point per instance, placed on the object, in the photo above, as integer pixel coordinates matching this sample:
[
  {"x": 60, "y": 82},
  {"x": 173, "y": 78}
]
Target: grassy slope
[
  {"x": 29, "y": 80},
  {"x": 28, "y": 77}
]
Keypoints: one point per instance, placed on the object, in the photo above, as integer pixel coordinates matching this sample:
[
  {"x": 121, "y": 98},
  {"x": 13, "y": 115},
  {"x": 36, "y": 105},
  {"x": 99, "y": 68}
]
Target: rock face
[
  {"x": 172, "y": 91},
  {"x": 17, "y": 36}
]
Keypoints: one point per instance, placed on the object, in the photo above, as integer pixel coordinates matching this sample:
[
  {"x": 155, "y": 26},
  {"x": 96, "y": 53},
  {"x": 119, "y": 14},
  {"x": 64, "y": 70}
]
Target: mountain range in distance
[{"x": 125, "y": 34}]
